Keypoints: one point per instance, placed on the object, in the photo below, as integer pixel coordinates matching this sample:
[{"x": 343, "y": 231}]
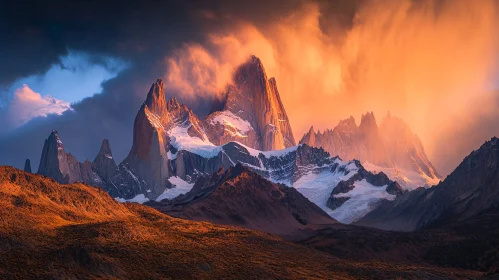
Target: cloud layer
[{"x": 432, "y": 62}]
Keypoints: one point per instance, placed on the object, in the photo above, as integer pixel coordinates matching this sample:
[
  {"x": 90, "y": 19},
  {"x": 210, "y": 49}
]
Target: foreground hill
[
  {"x": 472, "y": 243},
  {"x": 238, "y": 196},
  {"x": 54, "y": 231}
]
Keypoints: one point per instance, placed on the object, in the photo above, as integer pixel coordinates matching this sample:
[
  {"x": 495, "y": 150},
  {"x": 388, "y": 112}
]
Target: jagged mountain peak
[
  {"x": 249, "y": 75},
  {"x": 348, "y": 122},
  {"x": 311, "y": 130},
  {"x": 64, "y": 167},
  {"x": 105, "y": 148},
  {"x": 55, "y": 139},
  {"x": 368, "y": 122},
  {"x": 485, "y": 157},
  {"x": 104, "y": 164},
  {"x": 156, "y": 100},
  {"x": 27, "y": 166},
  {"x": 173, "y": 103},
  {"x": 240, "y": 192},
  {"x": 250, "y": 111}
]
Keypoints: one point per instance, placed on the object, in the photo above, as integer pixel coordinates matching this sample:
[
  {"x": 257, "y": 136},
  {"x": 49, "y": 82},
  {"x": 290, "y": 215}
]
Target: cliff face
[
  {"x": 159, "y": 124},
  {"x": 391, "y": 145},
  {"x": 104, "y": 164},
  {"x": 64, "y": 167},
  {"x": 251, "y": 111}
]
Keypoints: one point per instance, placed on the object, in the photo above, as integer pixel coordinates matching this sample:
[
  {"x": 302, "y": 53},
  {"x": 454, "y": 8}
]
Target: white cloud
[{"x": 27, "y": 104}]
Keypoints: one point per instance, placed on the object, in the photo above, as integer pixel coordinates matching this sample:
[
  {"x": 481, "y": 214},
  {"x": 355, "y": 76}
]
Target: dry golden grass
[{"x": 53, "y": 231}]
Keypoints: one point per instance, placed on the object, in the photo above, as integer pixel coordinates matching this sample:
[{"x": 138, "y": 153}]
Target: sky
[{"x": 434, "y": 63}]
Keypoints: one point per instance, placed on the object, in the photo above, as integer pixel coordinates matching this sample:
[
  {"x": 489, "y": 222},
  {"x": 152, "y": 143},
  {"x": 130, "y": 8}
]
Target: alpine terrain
[
  {"x": 391, "y": 148},
  {"x": 172, "y": 148}
]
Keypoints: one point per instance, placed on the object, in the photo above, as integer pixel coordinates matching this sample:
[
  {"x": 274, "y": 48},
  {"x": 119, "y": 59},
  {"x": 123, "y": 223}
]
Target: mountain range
[
  {"x": 172, "y": 148},
  {"x": 357, "y": 202},
  {"x": 390, "y": 147}
]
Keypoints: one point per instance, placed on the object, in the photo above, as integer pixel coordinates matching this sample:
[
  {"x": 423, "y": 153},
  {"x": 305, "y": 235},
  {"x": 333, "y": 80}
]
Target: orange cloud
[
  {"x": 430, "y": 62},
  {"x": 27, "y": 104}
]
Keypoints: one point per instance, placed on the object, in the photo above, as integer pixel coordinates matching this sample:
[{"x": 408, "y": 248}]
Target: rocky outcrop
[
  {"x": 104, "y": 164},
  {"x": 27, "y": 166},
  {"x": 158, "y": 123},
  {"x": 238, "y": 196},
  {"x": 391, "y": 145},
  {"x": 473, "y": 187},
  {"x": 250, "y": 111},
  {"x": 64, "y": 167}
]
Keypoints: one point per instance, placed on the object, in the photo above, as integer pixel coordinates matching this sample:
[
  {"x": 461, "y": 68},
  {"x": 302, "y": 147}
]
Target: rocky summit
[
  {"x": 250, "y": 111},
  {"x": 64, "y": 167},
  {"x": 391, "y": 148}
]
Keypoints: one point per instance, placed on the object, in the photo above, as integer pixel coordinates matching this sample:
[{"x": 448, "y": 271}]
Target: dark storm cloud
[{"x": 35, "y": 34}]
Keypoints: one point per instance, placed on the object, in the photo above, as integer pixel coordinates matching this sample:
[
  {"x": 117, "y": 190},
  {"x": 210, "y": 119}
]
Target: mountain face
[
  {"x": 251, "y": 112},
  {"x": 473, "y": 187},
  {"x": 64, "y": 167},
  {"x": 238, "y": 196},
  {"x": 104, "y": 164},
  {"x": 158, "y": 125},
  {"x": 391, "y": 148}
]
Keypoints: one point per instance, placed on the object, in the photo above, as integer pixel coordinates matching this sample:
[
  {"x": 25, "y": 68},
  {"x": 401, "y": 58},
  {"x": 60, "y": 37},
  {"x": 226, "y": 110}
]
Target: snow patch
[
  {"x": 181, "y": 140},
  {"x": 238, "y": 127},
  {"x": 364, "y": 197},
  {"x": 140, "y": 198},
  {"x": 317, "y": 187},
  {"x": 180, "y": 187}
]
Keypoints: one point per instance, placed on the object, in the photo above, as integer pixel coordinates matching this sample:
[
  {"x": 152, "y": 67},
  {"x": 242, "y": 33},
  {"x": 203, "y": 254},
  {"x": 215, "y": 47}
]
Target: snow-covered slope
[
  {"x": 408, "y": 179},
  {"x": 310, "y": 170}
]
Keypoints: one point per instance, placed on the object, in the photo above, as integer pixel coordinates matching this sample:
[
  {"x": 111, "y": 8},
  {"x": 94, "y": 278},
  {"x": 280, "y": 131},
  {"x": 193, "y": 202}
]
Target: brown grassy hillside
[{"x": 53, "y": 231}]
